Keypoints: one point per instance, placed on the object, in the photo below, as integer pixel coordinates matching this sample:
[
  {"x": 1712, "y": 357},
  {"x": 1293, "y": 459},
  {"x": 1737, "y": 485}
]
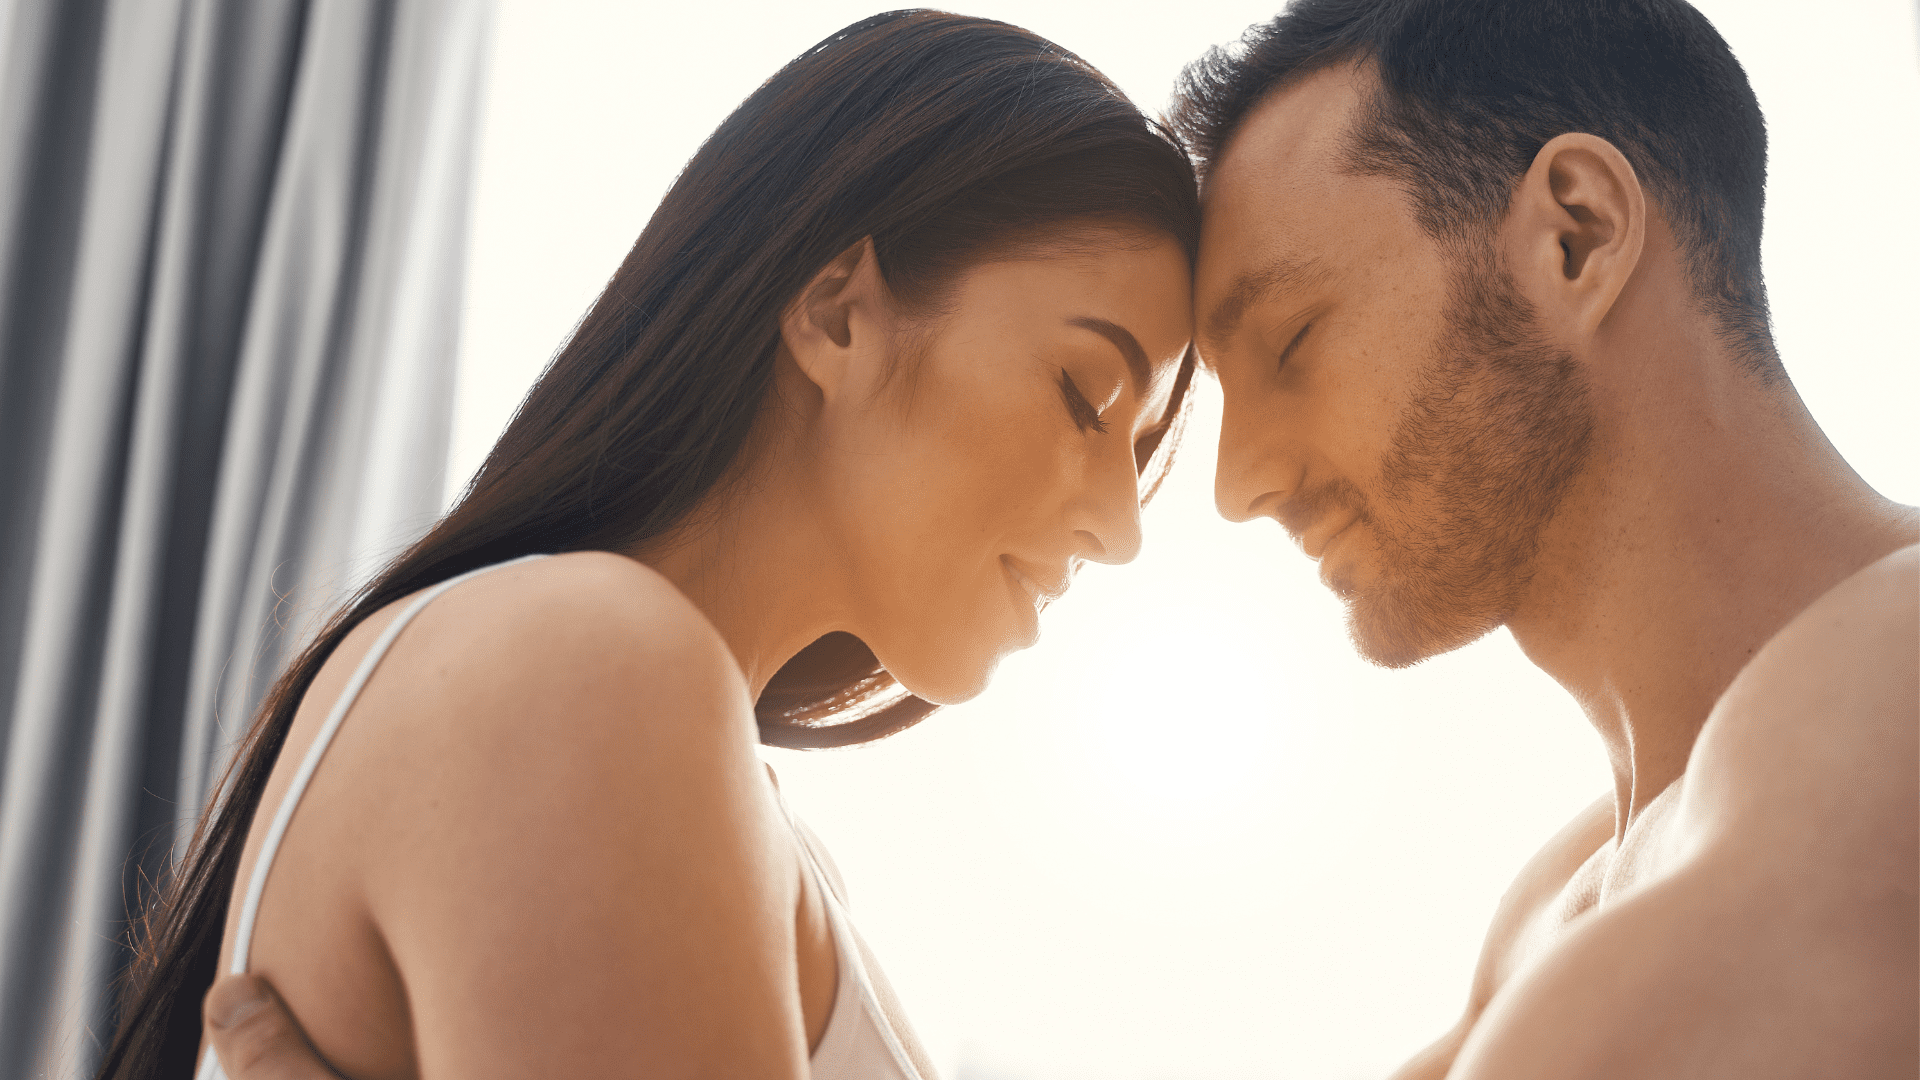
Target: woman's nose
[
  {"x": 1110, "y": 546},
  {"x": 1111, "y": 534}
]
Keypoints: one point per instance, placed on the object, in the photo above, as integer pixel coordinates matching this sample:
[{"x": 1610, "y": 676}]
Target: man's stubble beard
[{"x": 1499, "y": 426}]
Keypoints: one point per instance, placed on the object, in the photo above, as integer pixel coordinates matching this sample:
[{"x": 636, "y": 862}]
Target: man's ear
[
  {"x": 1576, "y": 228},
  {"x": 834, "y": 329}
]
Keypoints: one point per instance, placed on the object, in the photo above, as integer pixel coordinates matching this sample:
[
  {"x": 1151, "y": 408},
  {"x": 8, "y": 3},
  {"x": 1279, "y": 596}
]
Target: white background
[{"x": 1189, "y": 834}]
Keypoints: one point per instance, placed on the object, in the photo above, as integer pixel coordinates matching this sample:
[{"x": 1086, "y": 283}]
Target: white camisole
[{"x": 859, "y": 1043}]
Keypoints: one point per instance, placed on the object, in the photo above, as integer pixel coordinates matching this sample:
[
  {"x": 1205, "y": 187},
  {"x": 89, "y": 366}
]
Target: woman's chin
[
  {"x": 945, "y": 688},
  {"x": 949, "y": 680}
]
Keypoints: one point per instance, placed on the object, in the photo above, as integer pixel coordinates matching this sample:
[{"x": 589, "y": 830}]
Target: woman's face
[{"x": 1000, "y": 451}]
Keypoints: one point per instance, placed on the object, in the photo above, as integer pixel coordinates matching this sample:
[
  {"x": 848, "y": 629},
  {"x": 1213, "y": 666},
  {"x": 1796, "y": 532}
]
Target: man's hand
[{"x": 255, "y": 1036}]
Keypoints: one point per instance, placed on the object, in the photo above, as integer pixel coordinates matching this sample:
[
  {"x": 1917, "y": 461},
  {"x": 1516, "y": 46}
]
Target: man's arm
[{"x": 1783, "y": 940}]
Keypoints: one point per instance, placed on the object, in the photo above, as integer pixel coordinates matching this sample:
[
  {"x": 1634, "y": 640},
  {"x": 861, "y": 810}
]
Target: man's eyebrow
[
  {"x": 1128, "y": 345},
  {"x": 1257, "y": 284}
]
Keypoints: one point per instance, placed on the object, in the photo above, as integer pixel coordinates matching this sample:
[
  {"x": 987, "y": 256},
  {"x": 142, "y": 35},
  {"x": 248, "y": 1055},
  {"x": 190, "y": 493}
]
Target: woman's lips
[{"x": 1040, "y": 595}]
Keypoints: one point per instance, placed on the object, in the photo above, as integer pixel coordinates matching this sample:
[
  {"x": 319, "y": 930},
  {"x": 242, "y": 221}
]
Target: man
[{"x": 1480, "y": 280}]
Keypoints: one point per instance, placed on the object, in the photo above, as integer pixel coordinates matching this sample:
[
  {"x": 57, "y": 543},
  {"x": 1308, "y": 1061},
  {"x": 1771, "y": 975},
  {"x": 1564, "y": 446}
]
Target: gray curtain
[{"x": 232, "y": 245}]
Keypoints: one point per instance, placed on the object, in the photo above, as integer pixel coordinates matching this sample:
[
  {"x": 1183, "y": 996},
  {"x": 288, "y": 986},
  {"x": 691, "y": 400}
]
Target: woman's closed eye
[{"x": 1085, "y": 416}]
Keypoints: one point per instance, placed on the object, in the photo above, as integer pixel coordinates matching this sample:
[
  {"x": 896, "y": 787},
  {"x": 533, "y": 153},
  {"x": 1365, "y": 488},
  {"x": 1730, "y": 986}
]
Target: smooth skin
[
  {"x": 544, "y": 844},
  {"x": 1733, "y": 608}
]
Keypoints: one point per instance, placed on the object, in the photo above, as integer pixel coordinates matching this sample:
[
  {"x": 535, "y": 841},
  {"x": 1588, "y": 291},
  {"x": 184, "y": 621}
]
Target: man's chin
[{"x": 1391, "y": 630}]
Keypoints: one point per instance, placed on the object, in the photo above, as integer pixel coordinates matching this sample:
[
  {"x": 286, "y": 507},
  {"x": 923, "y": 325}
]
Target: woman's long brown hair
[{"x": 944, "y": 139}]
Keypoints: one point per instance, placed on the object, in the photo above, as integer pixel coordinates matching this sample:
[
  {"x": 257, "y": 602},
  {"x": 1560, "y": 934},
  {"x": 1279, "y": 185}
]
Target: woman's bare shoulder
[
  {"x": 583, "y": 593},
  {"x": 580, "y": 620},
  {"x": 551, "y": 806},
  {"x": 572, "y": 665}
]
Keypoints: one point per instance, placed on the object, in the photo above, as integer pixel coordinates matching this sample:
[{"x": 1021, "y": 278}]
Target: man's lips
[
  {"x": 1314, "y": 540},
  {"x": 1313, "y": 514}
]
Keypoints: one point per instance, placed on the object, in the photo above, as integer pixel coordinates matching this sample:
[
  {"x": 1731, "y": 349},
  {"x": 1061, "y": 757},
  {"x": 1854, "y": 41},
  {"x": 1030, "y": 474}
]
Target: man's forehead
[
  {"x": 1274, "y": 213},
  {"x": 1294, "y": 138},
  {"x": 1278, "y": 204}
]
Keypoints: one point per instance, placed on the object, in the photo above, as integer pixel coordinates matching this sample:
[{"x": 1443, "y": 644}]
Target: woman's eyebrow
[{"x": 1129, "y": 346}]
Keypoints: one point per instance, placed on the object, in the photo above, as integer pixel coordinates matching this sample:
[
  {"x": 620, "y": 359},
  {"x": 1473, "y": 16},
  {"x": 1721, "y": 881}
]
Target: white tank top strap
[
  {"x": 283, "y": 816},
  {"x": 859, "y": 1043}
]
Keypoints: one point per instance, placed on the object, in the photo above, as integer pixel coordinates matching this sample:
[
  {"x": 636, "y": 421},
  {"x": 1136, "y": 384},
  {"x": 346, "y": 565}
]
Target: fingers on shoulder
[{"x": 254, "y": 1035}]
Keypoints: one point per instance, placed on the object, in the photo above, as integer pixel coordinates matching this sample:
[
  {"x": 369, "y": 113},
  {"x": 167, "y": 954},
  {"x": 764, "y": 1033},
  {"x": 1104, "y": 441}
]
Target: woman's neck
[{"x": 760, "y": 569}]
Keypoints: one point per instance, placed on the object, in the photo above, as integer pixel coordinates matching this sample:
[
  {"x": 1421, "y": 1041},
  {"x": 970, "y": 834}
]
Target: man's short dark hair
[{"x": 1470, "y": 90}]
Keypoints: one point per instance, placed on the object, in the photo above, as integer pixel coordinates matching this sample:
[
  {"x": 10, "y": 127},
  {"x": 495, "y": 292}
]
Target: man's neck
[{"x": 1713, "y": 512}]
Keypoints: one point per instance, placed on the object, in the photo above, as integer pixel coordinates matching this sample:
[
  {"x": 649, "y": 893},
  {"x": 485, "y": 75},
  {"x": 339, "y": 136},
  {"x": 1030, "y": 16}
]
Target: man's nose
[{"x": 1250, "y": 470}]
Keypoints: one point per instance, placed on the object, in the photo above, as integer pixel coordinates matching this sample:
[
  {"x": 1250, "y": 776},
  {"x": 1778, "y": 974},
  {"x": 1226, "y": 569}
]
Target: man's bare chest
[{"x": 1612, "y": 870}]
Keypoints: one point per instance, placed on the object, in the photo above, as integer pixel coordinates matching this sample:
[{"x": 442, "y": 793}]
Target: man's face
[{"x": 1389, "y": 399}]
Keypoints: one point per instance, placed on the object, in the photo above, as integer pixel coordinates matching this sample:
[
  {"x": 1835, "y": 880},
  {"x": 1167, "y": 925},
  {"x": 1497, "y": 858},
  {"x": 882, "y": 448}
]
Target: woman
[{"x": 886, "y": 364}]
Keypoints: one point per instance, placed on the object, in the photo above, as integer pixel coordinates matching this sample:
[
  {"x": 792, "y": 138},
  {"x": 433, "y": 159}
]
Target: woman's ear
[
  {"x": 835, "y": 328},
  {"x": 1576, "y": 229}
]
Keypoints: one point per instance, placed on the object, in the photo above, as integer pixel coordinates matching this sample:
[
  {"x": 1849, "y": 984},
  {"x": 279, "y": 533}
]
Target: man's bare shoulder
[
  {"x": 1777, "y": 938},
  {"x": 1816, "y": 744}
]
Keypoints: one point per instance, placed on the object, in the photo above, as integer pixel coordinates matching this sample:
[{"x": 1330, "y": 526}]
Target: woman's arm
[
  {"x": 548, "y": 813},
  {"x": 612, "y": 891}
]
